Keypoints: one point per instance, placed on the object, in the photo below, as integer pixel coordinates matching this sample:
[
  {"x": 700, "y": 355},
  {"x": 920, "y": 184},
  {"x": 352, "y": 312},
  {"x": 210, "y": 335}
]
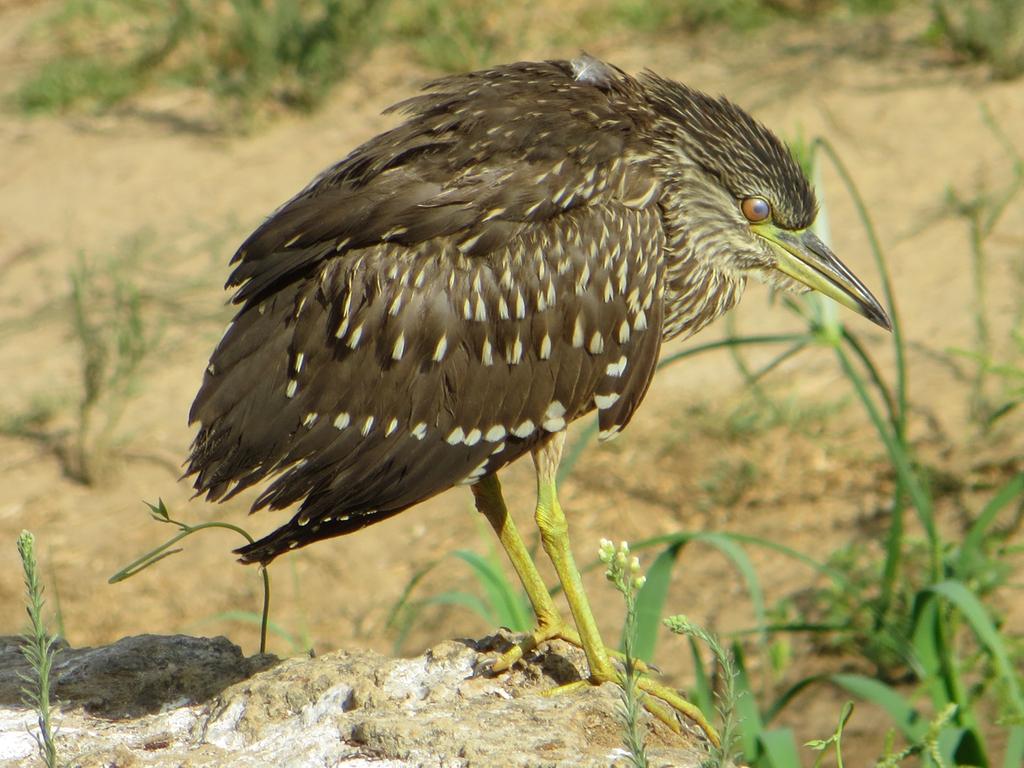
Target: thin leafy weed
[
  {"x": 109, "y": 317},
  {"x": 623, "y": 571},
  {"x": 983, "y": 211},
  {"x": 159, "y": 513},
  {"x": 121, "y": 309},
  {"x": 656, "y": 16},
  {"x": 40, "y": 650},
  {"x": 835, "y": 740},
  {"x": 114, "y": 339},
  {"x": 708, "y": 697},
  {"x": 989, "y": 31}
]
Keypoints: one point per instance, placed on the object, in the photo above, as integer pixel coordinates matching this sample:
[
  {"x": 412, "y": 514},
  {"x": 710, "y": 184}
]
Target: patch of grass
[
  {"x": 285, "y": 51},
  {"x": 72, "y": 80},
  {"x": 102, "y": 52},
  {"x": 106, "y": 318},
  {"x": 456, "y": 35},
  {"x": 114, "y": 339},
  {"x": 727, "y": 482},
  {"x": 740, "y": 15},
  {"x": 850, "y": 606},
  {"x": 983, "y": 211},
  {"x": 990, "y": 31},
  {"x": 121, "y": 308},
  {"x": 248, "y": 53},
  {"x": 658, "y": 15},
  {"x": 39, "y": 650}
]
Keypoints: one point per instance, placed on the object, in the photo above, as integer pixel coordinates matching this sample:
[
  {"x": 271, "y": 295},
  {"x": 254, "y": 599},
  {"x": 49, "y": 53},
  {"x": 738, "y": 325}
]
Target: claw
[
  {"x": 558, "y": 630},
  {"x": 652, "y": 702}
]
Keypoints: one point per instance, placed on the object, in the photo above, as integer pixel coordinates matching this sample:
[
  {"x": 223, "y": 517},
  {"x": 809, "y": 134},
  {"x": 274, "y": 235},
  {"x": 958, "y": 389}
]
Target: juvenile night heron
[{"x": 459, "y": 289}]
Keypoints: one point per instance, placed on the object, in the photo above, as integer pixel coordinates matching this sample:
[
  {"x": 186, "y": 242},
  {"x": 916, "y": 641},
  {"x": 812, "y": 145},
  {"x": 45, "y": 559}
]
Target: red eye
[{"x": 756, "y": 209}]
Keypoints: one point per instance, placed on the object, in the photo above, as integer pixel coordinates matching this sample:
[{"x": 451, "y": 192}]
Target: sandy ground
[{"x": 139, "y": 181}]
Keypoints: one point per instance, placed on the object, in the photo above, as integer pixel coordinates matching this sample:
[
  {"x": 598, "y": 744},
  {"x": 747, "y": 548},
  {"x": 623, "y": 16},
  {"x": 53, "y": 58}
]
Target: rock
[{"x": 173, "y": 701}]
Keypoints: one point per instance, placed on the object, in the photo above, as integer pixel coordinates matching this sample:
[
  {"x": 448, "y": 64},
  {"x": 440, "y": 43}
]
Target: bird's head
[{"x": 743, "y": 201}]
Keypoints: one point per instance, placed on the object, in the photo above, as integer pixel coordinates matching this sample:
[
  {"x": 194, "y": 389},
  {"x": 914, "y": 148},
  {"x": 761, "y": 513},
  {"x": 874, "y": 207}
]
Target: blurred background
[{"x": 867, "y": 488}]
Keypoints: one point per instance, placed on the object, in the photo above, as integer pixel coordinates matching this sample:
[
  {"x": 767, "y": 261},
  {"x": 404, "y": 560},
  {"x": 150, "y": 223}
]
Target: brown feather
[{"x": 448, "y": 296}]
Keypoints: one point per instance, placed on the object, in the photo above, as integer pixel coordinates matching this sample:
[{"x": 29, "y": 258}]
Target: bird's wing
[{"x": 369, "y": 376}]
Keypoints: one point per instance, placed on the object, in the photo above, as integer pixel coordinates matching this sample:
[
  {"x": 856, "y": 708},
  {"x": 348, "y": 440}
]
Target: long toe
[
  {"x": 660, "y": 692},
  {"x": 559, "y": 630},
  {"x": 662, "y": 702},
  {"x": 542, "y": 634}
]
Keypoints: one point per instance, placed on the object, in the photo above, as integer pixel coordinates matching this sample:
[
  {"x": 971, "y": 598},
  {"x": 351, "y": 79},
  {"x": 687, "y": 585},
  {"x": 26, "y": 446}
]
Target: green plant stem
[
  {"x": 901, "y": 461},
  {"x": 883, "y": 270},
  {"x": 876, "y": 377},
  {"x": 159, "y": 512},
  {"x": 897, "y": 408}
]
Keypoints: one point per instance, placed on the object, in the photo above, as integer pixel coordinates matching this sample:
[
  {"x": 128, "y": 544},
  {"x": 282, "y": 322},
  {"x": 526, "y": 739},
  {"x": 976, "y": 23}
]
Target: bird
[{"x": 456, "y": 291}]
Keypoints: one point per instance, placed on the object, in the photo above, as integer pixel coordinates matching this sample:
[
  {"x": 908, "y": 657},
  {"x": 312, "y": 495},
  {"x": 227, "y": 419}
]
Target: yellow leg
[
  {"x": 554, "y": 536},
  {"x": 550, "y": 624},
  {"x": 554, "y": 531}
]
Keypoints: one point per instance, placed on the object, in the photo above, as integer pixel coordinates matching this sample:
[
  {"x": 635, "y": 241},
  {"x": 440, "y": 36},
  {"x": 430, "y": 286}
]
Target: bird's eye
[{"x": 756, "y": 209}]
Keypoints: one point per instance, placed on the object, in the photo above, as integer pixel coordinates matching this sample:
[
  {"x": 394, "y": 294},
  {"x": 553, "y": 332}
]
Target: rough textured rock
[{"x": 173, "y": 701}]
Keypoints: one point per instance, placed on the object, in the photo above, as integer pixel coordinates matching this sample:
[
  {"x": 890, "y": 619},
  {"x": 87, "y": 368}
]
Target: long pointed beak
[{"x": 803, "y": 256}]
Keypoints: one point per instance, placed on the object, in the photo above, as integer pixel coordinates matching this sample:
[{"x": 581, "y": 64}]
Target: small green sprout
[{"x": 625, "y": 573}]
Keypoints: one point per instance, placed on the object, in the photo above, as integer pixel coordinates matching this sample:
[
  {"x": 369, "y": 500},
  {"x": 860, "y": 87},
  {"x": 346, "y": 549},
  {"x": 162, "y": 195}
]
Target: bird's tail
[
  {"x": 317, "y": 526},
  {"x": 270, "y": 546}
]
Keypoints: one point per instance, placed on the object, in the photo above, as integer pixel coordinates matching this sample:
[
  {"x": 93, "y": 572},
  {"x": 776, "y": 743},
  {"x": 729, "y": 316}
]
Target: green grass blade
[
  {"x": 1014, "y": 757},
  {"x": 743, "y": 538},
  {"x": 977, "y": 617},
  {"x": 463, "y": 600},
  {"x": 751, "y": 725},
  {"x": 896, "y": 449},
  {"x": 875, "y": 377},
  {"x": 729, "y": 545},
  {"x": 926, "y": 638},
  {"x": 905, "y": 717},
  {"x": 779, "y": 748},
  {"x": 780, "y": 703},
  {"x": 503, "y": 596},
  {"x": 731, "y": 549},
  {"x": 883, "y": 272},
  {"x": 942, "y": 676},
  {"x": 775, "y": 362},
  {"x": 404, "y": 611},
  {"x": 702, "y": 694},
  {"x": 972, "y": 546},
  {"x": 949, "y": 744},
  {"x": 734, "y": 341}
]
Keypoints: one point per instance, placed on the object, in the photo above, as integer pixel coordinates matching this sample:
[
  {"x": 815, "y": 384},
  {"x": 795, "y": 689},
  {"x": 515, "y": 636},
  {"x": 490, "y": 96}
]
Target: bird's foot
[
  {"x": 545, "y": 632},
  {"x": 663, "y": 702}
]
